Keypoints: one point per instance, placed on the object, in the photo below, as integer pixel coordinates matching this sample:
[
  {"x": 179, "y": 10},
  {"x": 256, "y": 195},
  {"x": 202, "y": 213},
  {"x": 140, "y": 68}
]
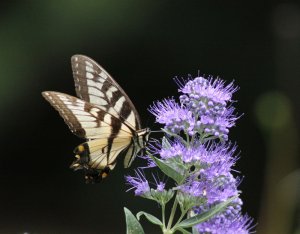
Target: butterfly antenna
[{"x": 157, "y": 131}]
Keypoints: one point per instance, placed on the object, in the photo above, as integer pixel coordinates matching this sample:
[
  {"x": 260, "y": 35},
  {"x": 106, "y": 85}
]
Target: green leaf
[
  {"x": 174, "y": 135},
  {"x": 195, "y": 230},
  {"x": 190, "y": 222},
  {"x": 150, "y": 217},
  {"x": 168, "y": 170},
  {"x": 165, "y": 143},
  {"x": 133, "y": 226},
  {"x": 177, "y": 164}
]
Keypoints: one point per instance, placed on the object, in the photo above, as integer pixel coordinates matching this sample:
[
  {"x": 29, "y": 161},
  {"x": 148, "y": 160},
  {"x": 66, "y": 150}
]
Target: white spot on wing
[
  {"x": 89, "y": 69},
  {"x": 79, "y": 102},
  {"x": 131, "y": 119},
  {"x": 68, "y": 103},
  {"x": 103, "y": 74},
  {"x": 94, "y": 84},
  {"x": 100, "y": 132},
  {"x": 119, "y": 104},
  {"x": 84, "y": 118},
  {"x": 107, "y": 119},
  {"x": 88, "y": 124},
  {"x": 62, "y": 97},
  {"x": 97, "y": 100},
  {"x": 112, "y": 89},
  {"x": 89, "y": 63},
  {"x": 109, "y": 94},
  {"x": 76, "y": 107},
  {"x": 101, "y": 80},
  {"x": 89, "y": 75},
  {"x": 93, "y": 91},
  {"x": 94, "y": 111},
  {"x": 80, "y": 112}
]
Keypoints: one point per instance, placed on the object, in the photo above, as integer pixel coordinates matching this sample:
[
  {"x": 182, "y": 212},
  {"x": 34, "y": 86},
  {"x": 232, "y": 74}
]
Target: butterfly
[{"x": 102, "y": 114}]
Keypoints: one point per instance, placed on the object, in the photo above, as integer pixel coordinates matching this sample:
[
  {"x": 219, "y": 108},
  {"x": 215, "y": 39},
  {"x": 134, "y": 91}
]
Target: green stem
[
  {"x": 187, "y": 139},
  {"x": 172, "y": 214},
  {"x": 179, "y": 220},
  {"x": 192, "y": 140},
  {"x": 193, "y": 136},
  {"x": 163, "y": 215}
]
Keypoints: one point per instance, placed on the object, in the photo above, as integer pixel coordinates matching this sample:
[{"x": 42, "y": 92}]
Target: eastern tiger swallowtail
[{"x": 104, "y": 115}]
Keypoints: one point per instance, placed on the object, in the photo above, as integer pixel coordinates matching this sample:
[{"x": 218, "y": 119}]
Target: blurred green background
[{"x": 144, "y": 44}]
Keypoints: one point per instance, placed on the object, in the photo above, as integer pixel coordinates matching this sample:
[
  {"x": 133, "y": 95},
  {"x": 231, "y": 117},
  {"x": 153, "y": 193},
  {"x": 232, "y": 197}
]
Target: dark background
[{"x": 144, "y": 44}]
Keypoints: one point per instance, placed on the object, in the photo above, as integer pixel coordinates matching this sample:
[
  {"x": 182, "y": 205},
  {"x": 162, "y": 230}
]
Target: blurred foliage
[
  {"x": 282, "y": 179},
  {"x": 273, "y": 111}
]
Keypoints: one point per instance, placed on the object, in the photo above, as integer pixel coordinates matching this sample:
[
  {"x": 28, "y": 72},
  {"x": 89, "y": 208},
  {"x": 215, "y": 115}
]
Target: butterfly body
[{"x": 104, "y": 115}]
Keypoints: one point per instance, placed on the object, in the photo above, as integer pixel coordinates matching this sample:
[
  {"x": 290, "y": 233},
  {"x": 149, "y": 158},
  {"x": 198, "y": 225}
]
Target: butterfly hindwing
[{"x": 101, "y": 153}]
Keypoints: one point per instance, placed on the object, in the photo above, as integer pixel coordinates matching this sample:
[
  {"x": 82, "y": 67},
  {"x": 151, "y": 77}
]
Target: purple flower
[
  {"x": 174, "y": 117},
  {"x": 139, "y": 183},
  {"x": 207, "y": 94},
  {"x": 198, "y": 161},
  {"x": 176, "y": 149},
  {"x": 216, "y": 189},
  {"x": 208, "y": 100},
  {"x": 150, "y": 162},
  {"x": 213, "y": 154},
  {"x": 142, "y": 188},
  {"x": 160, "y": 185},
  {"x": 223, "y": 224},
  {"x": 217, "y": 126}
]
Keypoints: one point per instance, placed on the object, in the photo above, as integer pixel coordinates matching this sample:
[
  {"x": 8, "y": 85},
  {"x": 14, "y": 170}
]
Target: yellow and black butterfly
[{"x": 104, "y": 115}]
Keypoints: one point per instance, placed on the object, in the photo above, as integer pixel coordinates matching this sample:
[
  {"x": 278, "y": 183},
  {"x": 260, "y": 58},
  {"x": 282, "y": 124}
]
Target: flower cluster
[
  {"x": 203, "y": 109},
  {"x": 196, "y": 154}
]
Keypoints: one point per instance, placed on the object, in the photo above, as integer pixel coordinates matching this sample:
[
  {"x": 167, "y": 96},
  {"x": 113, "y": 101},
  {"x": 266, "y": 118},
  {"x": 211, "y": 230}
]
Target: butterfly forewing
[{"x": 94, "y": 85}]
